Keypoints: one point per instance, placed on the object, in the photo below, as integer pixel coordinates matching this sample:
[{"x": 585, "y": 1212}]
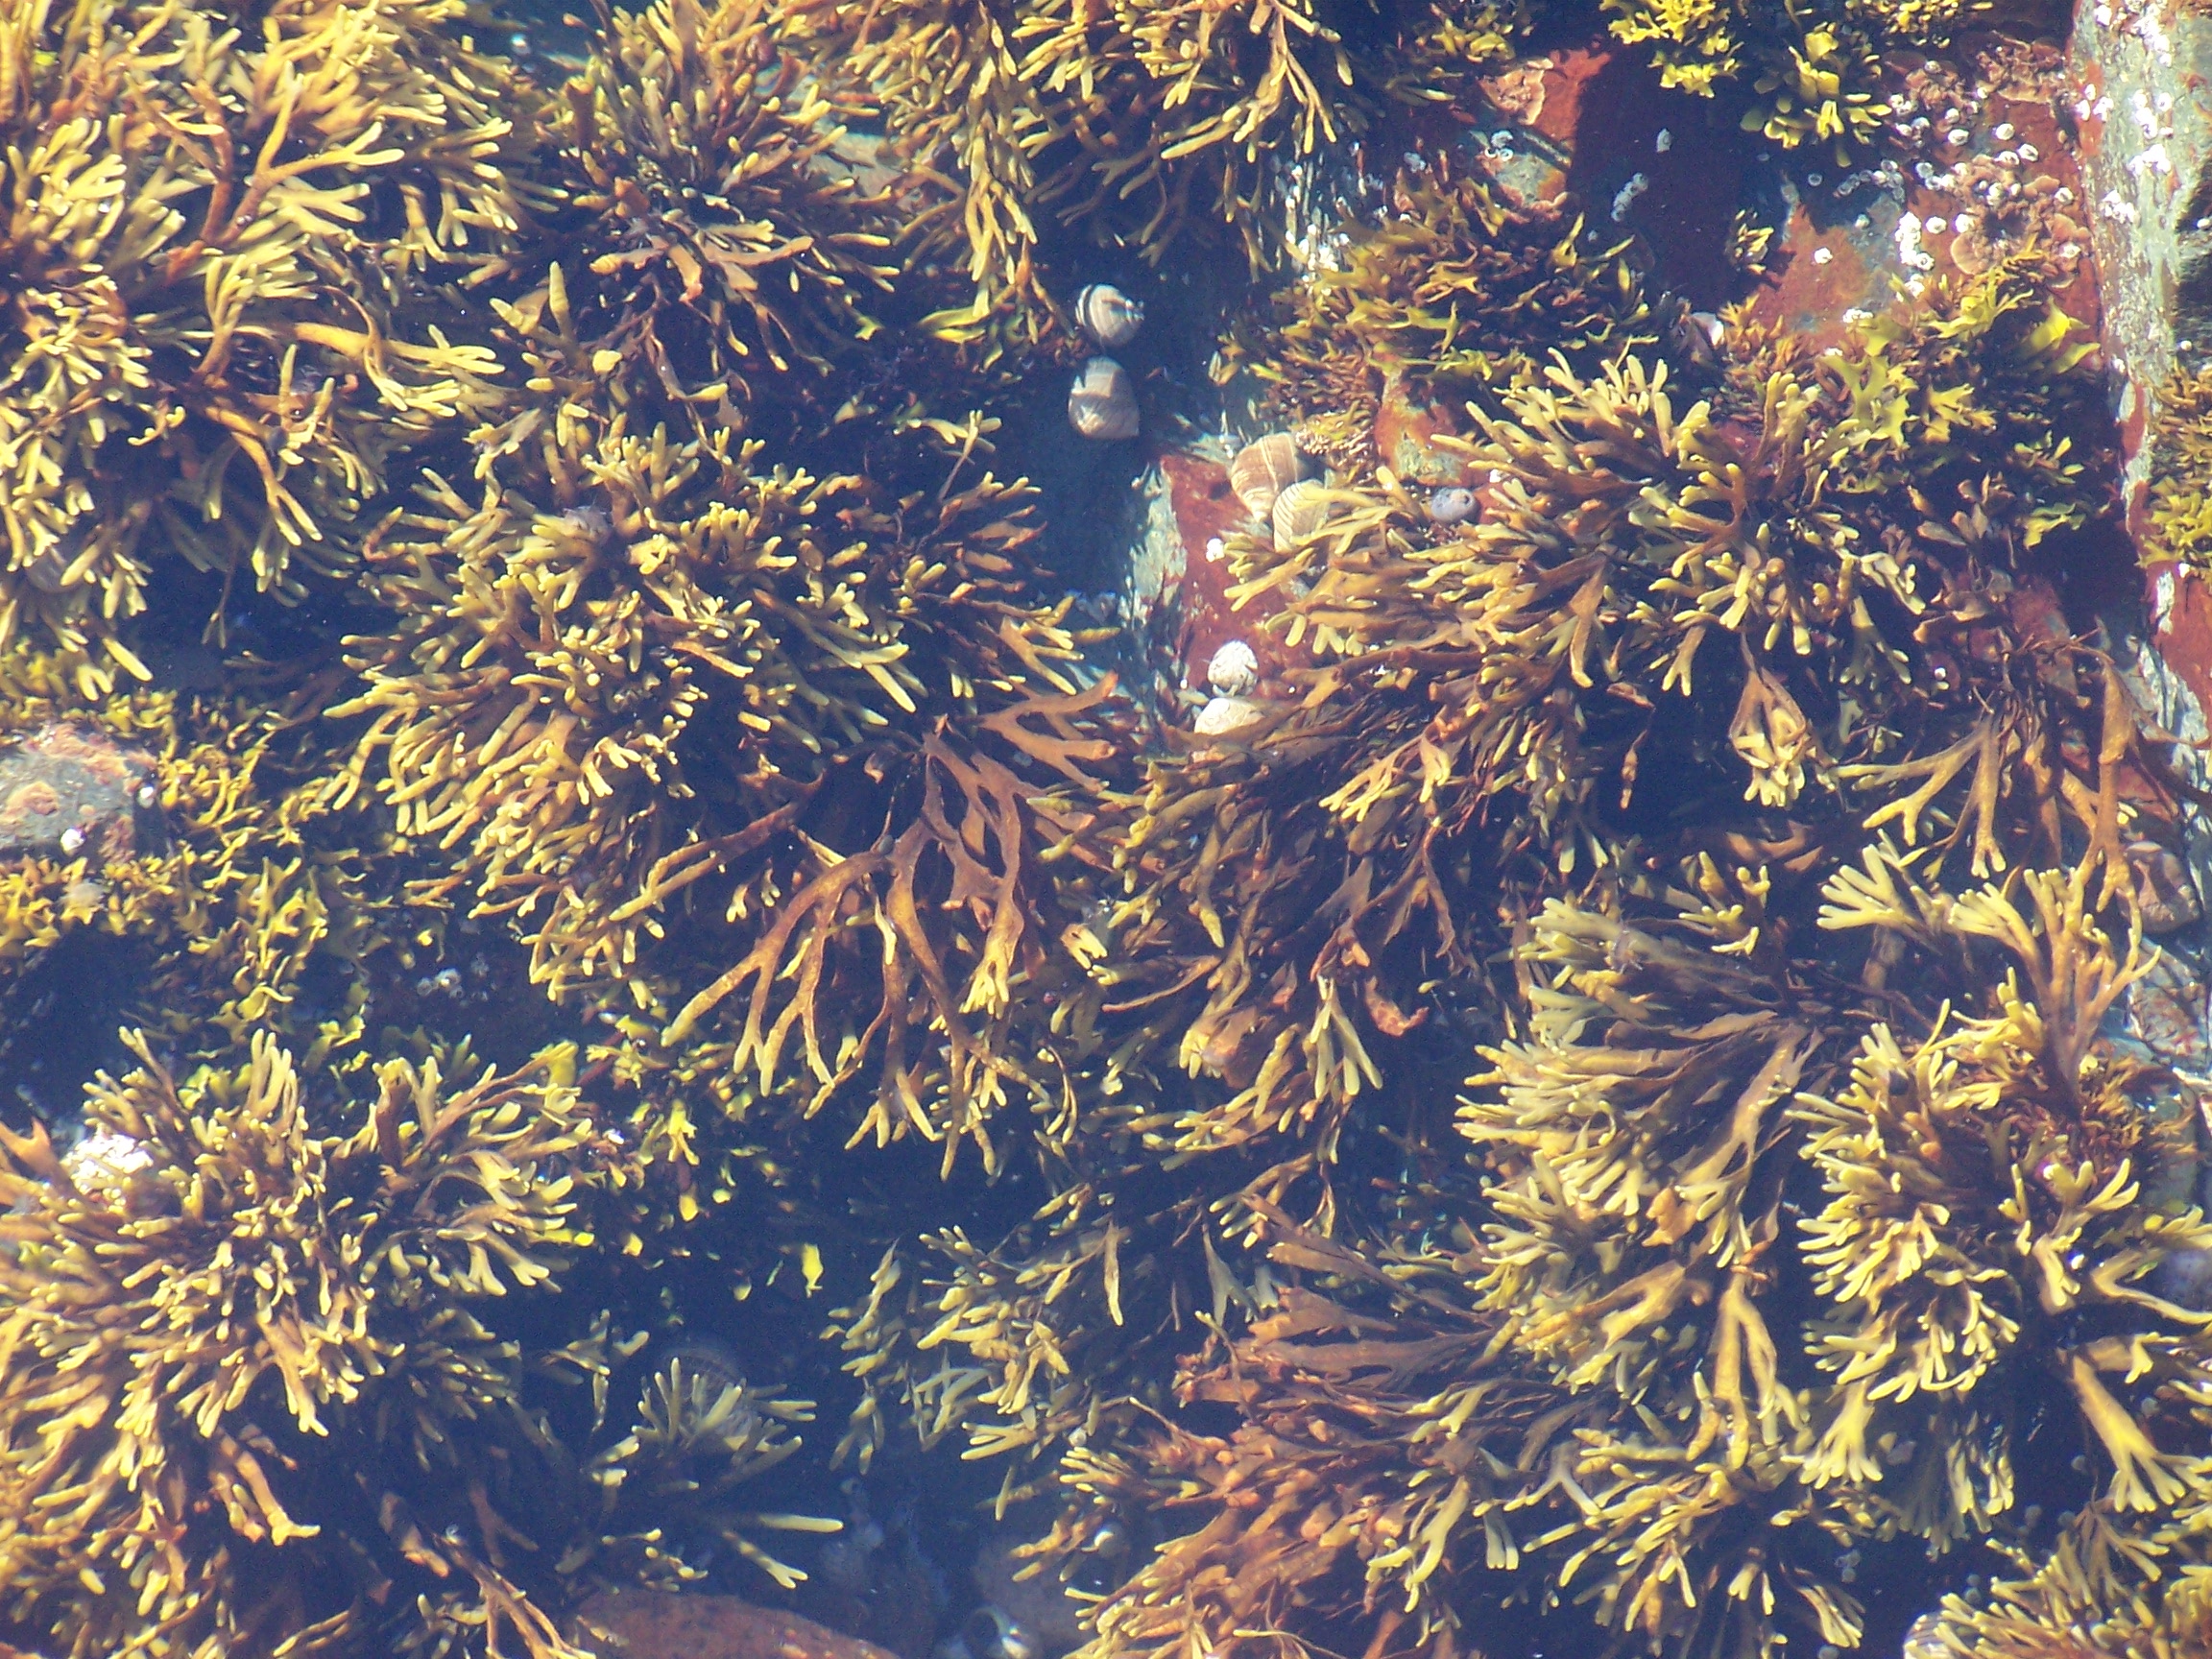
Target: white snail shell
[
  {"x": 1923, "y": 1639},
  {"x": 1108, "y": 315},
  {"x": 1225, "y": 715},
  {"x": 1264, "y": 468},
  {"x": 1453, "y": 504},
  {"x": 1234, "y": 669},
  {"x": 1102, "y": 403},
  {"x": 1302, "y": 508}
]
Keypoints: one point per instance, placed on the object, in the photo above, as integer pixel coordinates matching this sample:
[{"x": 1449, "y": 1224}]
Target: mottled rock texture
[{"x": 657, "y": 1624}]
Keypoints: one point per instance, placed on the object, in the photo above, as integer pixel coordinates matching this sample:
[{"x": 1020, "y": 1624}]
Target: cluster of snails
[
  {"x": 1102, "y": 403},
  {"x": 1232, "y": 676},
  {"x": 1274, "y": 480}
]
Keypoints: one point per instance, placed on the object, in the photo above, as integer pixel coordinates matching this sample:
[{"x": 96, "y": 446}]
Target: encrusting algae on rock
[{"x": 1575, "y": 1087}]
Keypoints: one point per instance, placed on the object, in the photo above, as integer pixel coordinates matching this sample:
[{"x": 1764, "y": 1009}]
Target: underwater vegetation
[
  {"x": 2180, "y": 513},
  {"x": 218, "y": 246},
  {"x": 1140, "y": 121},
  {"x": 1580, "y": 1100},
  {"x": 1702, "y": 1100},
  {"x": 1457, "y": 296}
]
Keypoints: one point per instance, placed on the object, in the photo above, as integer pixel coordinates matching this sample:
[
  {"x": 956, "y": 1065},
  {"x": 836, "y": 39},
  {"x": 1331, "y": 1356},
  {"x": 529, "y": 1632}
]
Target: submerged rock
[
  {"x": 71, "y": 791},
  {"x": 1032, "y": 1617},
  {"x": 665, "y": 1624}
]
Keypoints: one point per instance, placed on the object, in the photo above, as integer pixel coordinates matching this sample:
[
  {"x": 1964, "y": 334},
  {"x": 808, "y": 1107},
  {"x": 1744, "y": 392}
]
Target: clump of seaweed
[
  {"x": 1455, "y": 296},
  {"x": 1781, "y": 590},
  {"x": 1985, "y": 1187},
  {"x": 635, "y": 669},
  {"x": 722, "y": 236},
  {"x": 282, "y": 1270},
  {"x": 709, "y": 662},
  {"x": 211, "y": 328},
  {"x": 1818, "y": 88},
  {"x": 1819, "y": 67},
  {"x": 947, "y": 77},
  {"x": 2180, "y": 507},
  {"x": 1140, "y": 121},
  {"x": 1305, "y": 1509},
  {"x": 650, "y": 1504},
  {"x": 252, "y": 900}
]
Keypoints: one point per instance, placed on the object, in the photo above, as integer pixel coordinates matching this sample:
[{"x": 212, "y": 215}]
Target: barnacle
[{"x": 205, "y": 347}]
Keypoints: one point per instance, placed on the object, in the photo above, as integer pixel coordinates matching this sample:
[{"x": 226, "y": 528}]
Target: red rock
[
  {"x": 666, "y": 1624},
  {"x": 2181, "y": 616},
  {"x": 1207, "y": 509}
]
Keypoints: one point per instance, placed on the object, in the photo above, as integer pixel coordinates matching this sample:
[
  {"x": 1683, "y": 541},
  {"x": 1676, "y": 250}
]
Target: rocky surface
[
  {"x": 2144, "y": 134},
  {"x": 661, "y": 1624},
  {"x": 2144, "y": 137},
  {"x": 70, "y": 791}
]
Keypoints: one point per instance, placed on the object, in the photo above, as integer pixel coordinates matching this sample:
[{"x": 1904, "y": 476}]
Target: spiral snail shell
[
  {"x": 1108, "y": 315},
  {"x": 1234, "y": 670},
  {"x": 1302, "y": 508},
  {"x": 1223, "y": 715},
  {"x": 1102, "y": 403},
  {"x": 1264, "y": 468}
]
